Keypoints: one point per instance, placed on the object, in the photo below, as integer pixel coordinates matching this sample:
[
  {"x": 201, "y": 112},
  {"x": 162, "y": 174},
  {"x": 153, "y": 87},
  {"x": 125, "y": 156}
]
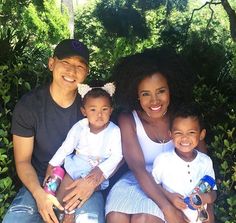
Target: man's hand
[
  {"x": 45, "y": 204},
  {"x": 81, "y": 190}
]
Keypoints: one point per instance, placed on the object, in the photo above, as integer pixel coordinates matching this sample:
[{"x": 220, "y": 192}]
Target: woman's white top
[{"x": 150, "y": 148}]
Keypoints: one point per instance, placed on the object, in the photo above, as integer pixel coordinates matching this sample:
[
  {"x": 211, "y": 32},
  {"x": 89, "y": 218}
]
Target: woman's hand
[
  {"x": 45, "y": 204},
  {"x": 173, "y": 215}
]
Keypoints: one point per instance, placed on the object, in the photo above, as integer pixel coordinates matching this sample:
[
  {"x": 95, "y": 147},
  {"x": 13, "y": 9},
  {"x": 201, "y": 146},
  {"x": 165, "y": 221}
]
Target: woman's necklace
[{"x": 156, "y": 129}]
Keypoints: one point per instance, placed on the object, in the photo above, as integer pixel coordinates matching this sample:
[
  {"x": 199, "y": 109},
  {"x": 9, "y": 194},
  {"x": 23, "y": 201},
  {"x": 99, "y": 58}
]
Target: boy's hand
[
  {"x": 177, "y": 201},
  {"x": 48, "y": 173}
]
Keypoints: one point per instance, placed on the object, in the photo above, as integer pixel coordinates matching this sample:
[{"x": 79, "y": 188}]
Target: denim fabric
[
  {"x": 92, "y": 211},
  {"x": 24, "y": 209}
]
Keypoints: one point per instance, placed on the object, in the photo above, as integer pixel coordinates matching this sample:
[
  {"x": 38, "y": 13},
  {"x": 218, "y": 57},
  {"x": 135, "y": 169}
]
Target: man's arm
[{"x": 23, "y": 149}]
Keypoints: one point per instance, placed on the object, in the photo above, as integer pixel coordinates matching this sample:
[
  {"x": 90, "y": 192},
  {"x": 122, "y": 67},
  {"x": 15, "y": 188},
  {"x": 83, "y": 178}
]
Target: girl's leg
[
  {"x": 62, "y": 192},
  {"x": 143, "y": 218},
  {"x": 91, "y": 211},
  {"x": 117, "y": 217},
  {"x": 210, "y": 210}
]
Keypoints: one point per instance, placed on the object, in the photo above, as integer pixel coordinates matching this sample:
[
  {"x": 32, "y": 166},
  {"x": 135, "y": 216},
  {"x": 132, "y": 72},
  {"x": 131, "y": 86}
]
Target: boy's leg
[
  {"x": 210, "y": 210},
  {"x": 23, "y": 209}
]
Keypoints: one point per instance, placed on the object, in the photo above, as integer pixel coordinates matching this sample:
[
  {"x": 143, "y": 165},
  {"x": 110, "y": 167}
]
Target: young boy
[{"x": 180, "y": 170}]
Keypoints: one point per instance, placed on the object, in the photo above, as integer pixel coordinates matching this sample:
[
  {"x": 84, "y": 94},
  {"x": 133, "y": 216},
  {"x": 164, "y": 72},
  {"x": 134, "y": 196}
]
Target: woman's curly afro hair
[{"x": 131, "y": 70}]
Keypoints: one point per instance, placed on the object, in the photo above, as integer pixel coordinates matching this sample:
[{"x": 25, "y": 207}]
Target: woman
[{"x": 150, "y": 93}]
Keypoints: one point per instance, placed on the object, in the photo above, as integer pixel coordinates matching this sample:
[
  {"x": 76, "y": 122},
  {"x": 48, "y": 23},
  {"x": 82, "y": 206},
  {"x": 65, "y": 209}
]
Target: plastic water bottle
[
  {"x": 54, "y": 181},
  {"x": 205, "y": 185}
]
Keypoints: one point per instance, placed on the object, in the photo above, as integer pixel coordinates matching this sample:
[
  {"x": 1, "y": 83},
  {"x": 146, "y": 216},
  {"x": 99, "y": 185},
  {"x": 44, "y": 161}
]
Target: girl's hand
[
  {"x": 45, "y": 204},
  {"x": 95, "y": 176},
  {"x": 177, "y": 201},
  {"x": 48, "y": 173}
]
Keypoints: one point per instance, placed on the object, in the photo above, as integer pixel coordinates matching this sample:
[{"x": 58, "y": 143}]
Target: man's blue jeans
[{"x": 24, "y": 209}]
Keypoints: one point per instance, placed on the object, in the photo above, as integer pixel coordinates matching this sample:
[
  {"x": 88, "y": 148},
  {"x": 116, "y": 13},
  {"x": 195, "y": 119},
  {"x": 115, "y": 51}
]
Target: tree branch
[
  {"x": 210, "y": 19},
  {"x": 232, "y": 18},
  {"x": 201, "y": 7}
]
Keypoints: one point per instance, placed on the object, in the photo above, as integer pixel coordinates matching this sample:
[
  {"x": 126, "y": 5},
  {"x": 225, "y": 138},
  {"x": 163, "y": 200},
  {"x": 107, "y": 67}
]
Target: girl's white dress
[
  {"x": 82, "y": 150},
  {"x": 126, "y": 196}
]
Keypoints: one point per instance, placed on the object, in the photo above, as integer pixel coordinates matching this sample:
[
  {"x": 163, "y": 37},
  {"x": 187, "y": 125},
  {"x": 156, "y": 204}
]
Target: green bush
[
  {"x": 220, "y": 120},
  {"x": 224, "y": 146},
  {"x": 6, "y": 184}
]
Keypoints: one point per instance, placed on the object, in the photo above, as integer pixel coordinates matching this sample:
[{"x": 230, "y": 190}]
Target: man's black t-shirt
[{"x": 36, "y": 114}]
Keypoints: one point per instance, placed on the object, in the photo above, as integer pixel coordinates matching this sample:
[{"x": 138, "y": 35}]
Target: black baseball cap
[{"x": 71, "y": 47}]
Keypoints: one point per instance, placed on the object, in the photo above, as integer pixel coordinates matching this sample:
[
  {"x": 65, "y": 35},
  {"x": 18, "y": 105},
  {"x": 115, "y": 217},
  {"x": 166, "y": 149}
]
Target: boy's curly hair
[
  {"x": 188, "y": 110},
  {"x": 131, "y": 70}
]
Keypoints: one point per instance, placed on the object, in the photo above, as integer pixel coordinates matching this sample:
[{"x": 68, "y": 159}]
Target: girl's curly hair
[{"x": 131, "y": 70}]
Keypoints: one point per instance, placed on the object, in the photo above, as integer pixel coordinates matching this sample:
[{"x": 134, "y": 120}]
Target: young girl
[
  {"x": 92, "y": 148},
  {"x": 180, "y": 170}
]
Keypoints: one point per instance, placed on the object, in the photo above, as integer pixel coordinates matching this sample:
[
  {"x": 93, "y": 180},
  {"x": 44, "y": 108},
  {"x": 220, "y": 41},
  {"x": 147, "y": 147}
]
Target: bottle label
[
  {"x": 202, "y": 187},
  {"x": 52, "y": 185}
]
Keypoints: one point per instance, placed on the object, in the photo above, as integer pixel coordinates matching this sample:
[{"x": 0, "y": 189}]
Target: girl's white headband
[{"x": 83, "y": 89}]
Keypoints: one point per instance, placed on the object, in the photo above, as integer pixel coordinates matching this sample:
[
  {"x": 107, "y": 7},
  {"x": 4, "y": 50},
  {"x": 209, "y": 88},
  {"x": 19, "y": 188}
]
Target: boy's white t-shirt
[{"x": 179, "y": 176}]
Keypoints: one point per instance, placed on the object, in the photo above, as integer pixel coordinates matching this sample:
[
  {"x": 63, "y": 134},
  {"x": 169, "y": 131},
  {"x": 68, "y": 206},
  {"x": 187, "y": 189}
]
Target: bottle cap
[
  {"x": 209, "y": 180},
  {"x": 187, "y": 201},
  {"x": 59, "y": 171}
]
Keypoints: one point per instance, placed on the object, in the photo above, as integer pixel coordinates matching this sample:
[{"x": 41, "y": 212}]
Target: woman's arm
[
  {"x": 202, "y": 147},
  {"x": 134, "y": 157},
  {"x": 23, "y": 148}
]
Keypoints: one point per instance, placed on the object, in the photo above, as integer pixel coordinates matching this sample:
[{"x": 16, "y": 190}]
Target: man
[{"x": 41, "y": 121}]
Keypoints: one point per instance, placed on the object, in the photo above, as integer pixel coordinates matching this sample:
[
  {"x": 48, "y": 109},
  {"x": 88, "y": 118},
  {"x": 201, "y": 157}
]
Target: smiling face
[
  {"x": 186, "y": 134},
  {"x": 154, "y": 95},
  {"x": 98, "y": 111},
  {"x": 67, "y": 72}
]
